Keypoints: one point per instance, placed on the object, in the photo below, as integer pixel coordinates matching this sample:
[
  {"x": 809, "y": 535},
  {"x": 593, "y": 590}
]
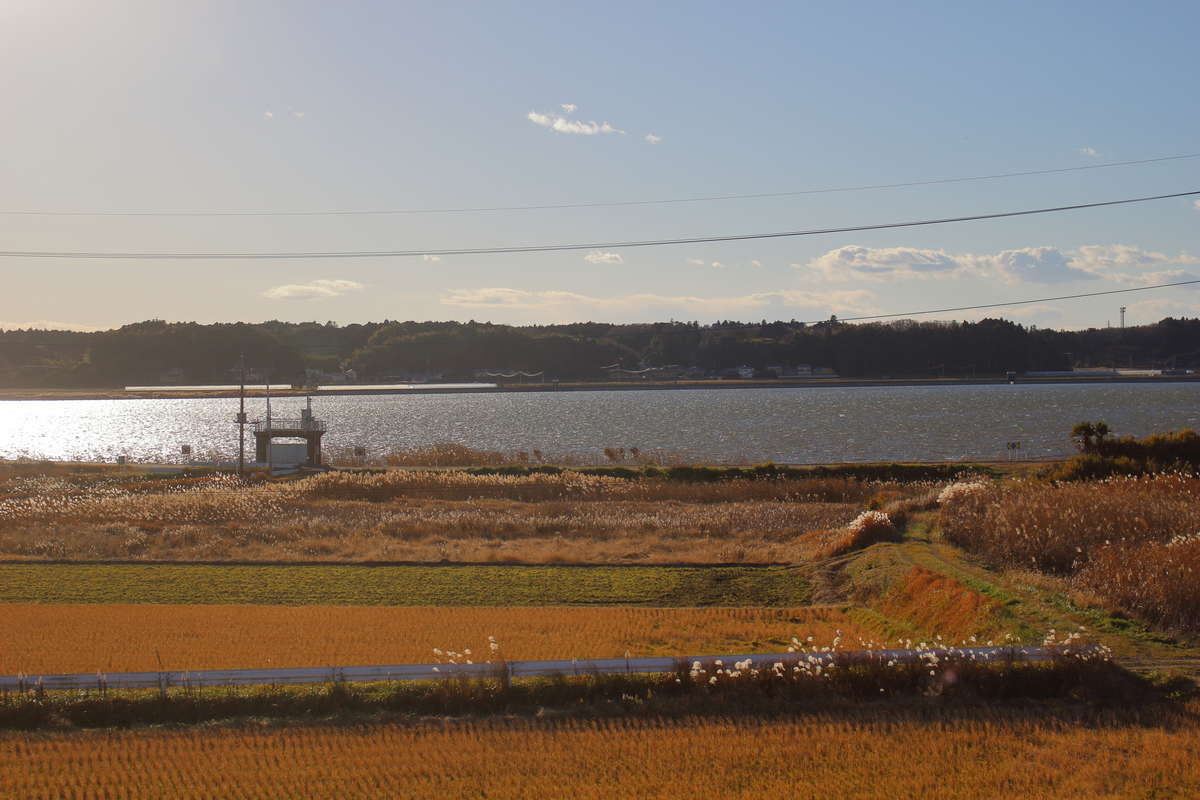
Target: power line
[
  {"x": 603, "y": 204},
  {"x": 546, "y": 248},
  {"x": 1010, "y": 303}
]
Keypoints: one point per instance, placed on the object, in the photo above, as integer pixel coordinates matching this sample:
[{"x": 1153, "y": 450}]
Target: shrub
[{"x": 868, "y": 528}]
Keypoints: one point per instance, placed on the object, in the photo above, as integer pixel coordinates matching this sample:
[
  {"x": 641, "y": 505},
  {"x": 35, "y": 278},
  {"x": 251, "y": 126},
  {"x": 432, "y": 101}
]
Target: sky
[{"x": 241, "y": 109}]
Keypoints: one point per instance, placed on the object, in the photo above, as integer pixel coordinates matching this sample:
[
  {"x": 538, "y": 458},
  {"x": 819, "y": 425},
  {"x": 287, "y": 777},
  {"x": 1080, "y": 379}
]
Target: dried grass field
[
  {"x": 1132, "y": 543},
  {"x": 114, "y": 638},
  {"x": 865, "y": 753},
  {"x": 428, "y": 515}
]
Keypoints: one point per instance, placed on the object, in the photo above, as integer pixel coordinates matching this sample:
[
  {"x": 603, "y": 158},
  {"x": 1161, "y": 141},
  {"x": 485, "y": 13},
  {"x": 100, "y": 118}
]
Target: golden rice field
[
  {"x": 868, "y": 755},
  {"x": 424, "y": 515},
  {"x": 117, "y": 638}
]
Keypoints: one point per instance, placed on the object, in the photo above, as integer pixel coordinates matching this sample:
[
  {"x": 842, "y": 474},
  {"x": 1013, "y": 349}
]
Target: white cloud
[
  {"x": 557, "y": 122},
  {"x": 854, "y": 301},
  {"x": 1023, "y": 265},
  {"x": 885, "y": 263},
  {"x": 1033, "y": 264},
  {"x": 601, "y": 257},
  {"x": 1196, "y": 204},
  {"x": 1157, "y": 278},
  {"x": 718, "y": 265},
  {"x": 431, "y": 259},
  {"x": 756, "y": 262},
  {"x": 49, "y": 325},
  {"x": 1102, "y": 259},
  {"x": 652, "y": 139},
  {"x": 699, "y": 262},
  {"x": 268, "y": 114},
  {"x": 569, "y": 108},
  {"x": 312, "y": 290},
  {"x": 1090, "y": 152},
  {"x": 298, "y": 114}
]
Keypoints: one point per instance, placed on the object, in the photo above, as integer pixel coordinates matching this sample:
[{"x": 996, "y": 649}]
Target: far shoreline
[{"x": 808, "y": 383}]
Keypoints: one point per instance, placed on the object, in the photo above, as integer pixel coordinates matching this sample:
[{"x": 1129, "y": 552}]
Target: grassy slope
[
  {"x": 403, "y": 585},
  {"x": 888, "y": 588}
]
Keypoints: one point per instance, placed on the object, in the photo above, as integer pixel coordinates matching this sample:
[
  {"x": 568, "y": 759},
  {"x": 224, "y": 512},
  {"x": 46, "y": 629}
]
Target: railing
[
  {"x": 275, "y": 424},
  {"x": 519, "y": 669}
]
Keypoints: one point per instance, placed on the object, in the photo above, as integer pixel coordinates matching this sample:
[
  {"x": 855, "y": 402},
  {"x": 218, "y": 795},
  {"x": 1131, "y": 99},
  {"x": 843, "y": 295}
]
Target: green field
[{"x": 402, "y": 585}]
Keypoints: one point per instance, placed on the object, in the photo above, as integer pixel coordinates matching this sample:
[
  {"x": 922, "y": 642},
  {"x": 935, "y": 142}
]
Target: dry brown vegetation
[
  {"x": 115, "y": 638},
  {"x": 1131, "y": 541},
  {"x": 453, "y": 454},
  {"x": 429, "y": 515},
  {"x": 877, "y": 752}
]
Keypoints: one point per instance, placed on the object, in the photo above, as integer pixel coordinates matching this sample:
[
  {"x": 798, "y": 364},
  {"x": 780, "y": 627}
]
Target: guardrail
[
  {"x": 165, "y": 679},
  {"x": 289, "y": 425}
]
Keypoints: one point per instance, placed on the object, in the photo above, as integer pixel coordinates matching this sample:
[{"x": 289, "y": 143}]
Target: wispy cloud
[
  {"x": 699, "y": 262},
  {"x": 1152, "y": 310},
  {"x": 755, "y": 262},
  {"x": 569, "y": 108},
  {"x": 431, "y": 259},
  {"x": 1023, "y": 265},
  {"x": 855, "y": 301},
  {"x": 312, "y": 290},
  {"x": 269, "y": 114},
  {"x": 1090, "y": 152},
  {"x": 652, "y": 139},
  {"x": 561, "y": 124},
  {"x": 601, "y": 257},
  {"x": 50, "y": 325}
]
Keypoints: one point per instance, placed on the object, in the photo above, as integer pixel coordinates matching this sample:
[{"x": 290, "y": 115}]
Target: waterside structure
[{"x": 307, "y": 427}]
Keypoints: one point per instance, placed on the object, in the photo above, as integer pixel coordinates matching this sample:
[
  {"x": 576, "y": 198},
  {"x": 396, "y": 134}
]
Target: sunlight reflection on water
[{"x": 784, "y": 425}]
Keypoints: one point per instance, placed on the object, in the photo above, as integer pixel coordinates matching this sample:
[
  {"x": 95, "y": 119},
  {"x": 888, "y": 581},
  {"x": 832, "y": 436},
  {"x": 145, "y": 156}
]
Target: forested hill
[{"x": 157, "y": 352}]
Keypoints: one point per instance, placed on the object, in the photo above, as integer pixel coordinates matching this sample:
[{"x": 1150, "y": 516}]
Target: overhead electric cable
[
  {"x": 546, "y": 248},
  {"x": 603, "y": 204},
  {"x": 1005, "y": 305}
]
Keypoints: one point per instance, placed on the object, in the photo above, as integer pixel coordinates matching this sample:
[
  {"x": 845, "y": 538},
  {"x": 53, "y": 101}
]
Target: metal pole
[
  {"x": 270, "y": 436},
  {"x": 241, "y": 419}
]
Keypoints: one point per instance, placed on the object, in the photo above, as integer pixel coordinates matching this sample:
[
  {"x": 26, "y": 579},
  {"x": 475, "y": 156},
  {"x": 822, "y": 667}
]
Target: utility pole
[
  {"x": 241, "y": 419},
  {"x": 1122, "y": 317},
  {"x": 269, "y": 440}
]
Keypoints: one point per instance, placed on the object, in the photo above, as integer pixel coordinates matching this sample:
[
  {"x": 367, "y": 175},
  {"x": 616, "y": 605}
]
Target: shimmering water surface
[{"x": 805, "y": 425}]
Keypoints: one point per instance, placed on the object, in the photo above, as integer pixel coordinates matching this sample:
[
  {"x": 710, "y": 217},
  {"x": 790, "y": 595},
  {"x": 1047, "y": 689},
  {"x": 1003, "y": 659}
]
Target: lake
[{"x": 787, "y": 425}]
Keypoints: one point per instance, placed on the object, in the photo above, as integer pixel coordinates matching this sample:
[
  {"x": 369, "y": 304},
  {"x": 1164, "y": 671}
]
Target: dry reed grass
[
  {"x": 115, "y": 638},
  {"x": 453, "y": 454},
  {"x": 876, "y": 754},
  {"x": 423, "y": 515},
  {"x": 457, "y": 485},
  {"x": 1130, "y": 541}
]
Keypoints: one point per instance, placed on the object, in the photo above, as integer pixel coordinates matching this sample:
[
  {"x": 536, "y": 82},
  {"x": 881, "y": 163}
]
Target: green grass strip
[{"x": 402, "y": 585}]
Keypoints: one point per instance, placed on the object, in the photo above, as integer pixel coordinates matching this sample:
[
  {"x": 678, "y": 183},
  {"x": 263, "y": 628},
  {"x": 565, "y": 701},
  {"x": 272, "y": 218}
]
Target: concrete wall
[{"x": 288, "y": 454}]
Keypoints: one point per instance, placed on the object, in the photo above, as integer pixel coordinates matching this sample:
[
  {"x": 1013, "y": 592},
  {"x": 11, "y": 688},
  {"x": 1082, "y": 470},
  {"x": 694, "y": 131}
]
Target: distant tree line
[{"x": 156, "y": 351}]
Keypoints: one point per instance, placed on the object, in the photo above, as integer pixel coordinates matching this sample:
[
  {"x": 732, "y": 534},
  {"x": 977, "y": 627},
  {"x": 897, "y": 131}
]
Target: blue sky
[{"x": 302, "y": 106}]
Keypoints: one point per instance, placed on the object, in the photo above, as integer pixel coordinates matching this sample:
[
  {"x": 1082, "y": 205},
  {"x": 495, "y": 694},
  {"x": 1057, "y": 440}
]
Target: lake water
[{"x": 798, "y": 425}]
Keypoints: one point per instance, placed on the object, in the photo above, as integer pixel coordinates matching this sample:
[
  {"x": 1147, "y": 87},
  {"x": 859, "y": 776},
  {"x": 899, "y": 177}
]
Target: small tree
[{"x": 1089, "y": 436}]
